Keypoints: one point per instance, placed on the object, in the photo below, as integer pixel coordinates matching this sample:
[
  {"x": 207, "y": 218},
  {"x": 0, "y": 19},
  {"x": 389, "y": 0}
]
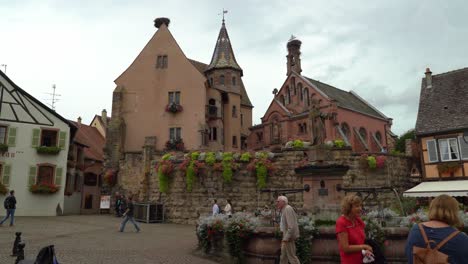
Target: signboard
[{"x": 105, "y": 202}]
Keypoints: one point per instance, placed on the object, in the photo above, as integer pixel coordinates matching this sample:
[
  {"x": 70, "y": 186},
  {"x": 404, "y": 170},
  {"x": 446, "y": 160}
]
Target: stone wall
[{"x": 185, "y": 207}]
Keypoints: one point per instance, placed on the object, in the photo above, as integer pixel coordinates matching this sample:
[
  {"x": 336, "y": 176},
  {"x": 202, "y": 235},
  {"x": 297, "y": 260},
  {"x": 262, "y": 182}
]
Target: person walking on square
[
  {"x": 215, "y": 208},
  {"x": 128, "y": 215},
  {"x": 228, "y": 208},
  {"x": 118, "y": 203},
  {"x": 10, "y": 206},
  {"x": 290, "y": 229}
]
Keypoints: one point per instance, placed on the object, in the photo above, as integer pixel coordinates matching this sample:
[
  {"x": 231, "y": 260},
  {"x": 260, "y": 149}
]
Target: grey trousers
[{"x": 288, "y": 253}]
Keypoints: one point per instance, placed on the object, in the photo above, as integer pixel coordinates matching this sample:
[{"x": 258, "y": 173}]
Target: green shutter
[
  {"x": 36, "y": 136},
  {"x": 32, "y": 175},
  {"x": 6, "y": 175},
  {"x": 12, "y": 136},
  {"x": 62, "y": 138},
  {"x": 58, "y": 176}
]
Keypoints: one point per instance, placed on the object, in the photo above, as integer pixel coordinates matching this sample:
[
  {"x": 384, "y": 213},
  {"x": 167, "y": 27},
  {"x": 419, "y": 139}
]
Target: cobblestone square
[{"x": 95, "y": 239}]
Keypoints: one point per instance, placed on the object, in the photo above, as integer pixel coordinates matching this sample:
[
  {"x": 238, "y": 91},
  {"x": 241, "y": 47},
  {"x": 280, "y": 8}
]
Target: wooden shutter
[
  {"x": 62, "y": 139},
  {"x": 6, "y": 174},
  {"x": 12, "y": 136},
  {"x": 36, "y": 137},
  {"x": 463, "y": 148},
  {"x": 432, "y": 150},
  {"x": 58, "y": 176},
  {"x": 32, "y": 175}
]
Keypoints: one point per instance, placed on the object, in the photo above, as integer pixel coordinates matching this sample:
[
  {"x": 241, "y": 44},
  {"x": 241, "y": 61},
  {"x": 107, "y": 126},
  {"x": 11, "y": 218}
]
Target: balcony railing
[{"x": 212, "y": 112}]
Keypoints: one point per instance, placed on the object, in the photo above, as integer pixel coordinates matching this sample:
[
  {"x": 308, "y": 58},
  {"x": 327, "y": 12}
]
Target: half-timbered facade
[{"x": 34, "y": 144}]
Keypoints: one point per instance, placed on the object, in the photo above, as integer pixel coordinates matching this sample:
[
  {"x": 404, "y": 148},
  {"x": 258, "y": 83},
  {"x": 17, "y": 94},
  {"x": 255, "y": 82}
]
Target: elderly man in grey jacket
[{"x": 290, "y": 229}]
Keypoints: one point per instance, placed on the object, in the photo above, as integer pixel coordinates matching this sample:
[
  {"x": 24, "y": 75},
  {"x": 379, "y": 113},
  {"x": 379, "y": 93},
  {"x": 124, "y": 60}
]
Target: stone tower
[
  {"x": 224, "y": 74},
  {"x": 294, "y": 56}
]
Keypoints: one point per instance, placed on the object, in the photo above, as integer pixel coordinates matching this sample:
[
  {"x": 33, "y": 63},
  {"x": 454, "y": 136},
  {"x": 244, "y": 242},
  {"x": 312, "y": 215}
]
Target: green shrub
[
  {"x": 3, "y": 147},
  {"x": 245, "y": 157},
  {"x": 298, "y": 143},
  {"x": 322, "y": 222},
  {"x": 210, "y": 158},
  {"x": 372, "y": 162},
  {"x": 339, "y": 143},
  {"x": 262, "y": 173},
  {"x": 190, "y": 175},
  {"x": 227, "y": 167},
  {"x": 195, "y": 155}
]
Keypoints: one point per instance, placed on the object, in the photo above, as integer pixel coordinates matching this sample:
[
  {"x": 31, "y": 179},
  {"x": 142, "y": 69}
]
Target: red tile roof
[{"x": 90, "y": 137}]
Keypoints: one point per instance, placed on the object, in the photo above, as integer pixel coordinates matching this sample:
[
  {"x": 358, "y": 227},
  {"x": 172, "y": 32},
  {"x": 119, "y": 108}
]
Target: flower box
[
  {"x": 43, "y": 188},
  {"x": 174, "y": 108},
  {"x": 448, "y": 167},
  {"x": 177, "y": 144},
  {"x": 48, "y": 150}
]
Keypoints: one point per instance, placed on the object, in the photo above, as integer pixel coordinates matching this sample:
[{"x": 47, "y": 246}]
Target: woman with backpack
[{"x": 437, "y": 240}]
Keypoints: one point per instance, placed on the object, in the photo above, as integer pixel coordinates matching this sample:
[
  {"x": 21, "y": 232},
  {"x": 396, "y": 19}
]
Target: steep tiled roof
[
  {"x": 347, "y": 100},
  {"x": 223, "y": 55},
  {"x": 444, "y": 106},
  {"x": 90, "y": 137},
  {"x": 201, "y": 67}
]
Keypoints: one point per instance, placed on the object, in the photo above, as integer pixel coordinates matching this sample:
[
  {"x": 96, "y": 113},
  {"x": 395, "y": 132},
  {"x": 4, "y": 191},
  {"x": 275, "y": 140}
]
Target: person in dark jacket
[
  {"x": 10, "y": 206},
  {"x": 118, "y": 203},
  {"x": 128, "y": 216}
]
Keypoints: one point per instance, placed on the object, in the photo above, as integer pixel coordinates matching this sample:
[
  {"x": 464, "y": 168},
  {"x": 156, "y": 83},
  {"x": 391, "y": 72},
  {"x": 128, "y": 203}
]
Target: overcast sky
[{"x": 378, "y": 49}]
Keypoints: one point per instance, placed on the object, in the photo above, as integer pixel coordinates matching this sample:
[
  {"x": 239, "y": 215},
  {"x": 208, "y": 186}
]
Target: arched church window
[
  {"x": 221, "y": 79},
  {"x": 301, "y": 94},
  {"x": 293, "y": 85},
  {"x": 345, "y": 129},
  {"x": 378, "y": 136},
  {"x": 282, "y": 99},
  {"x": 306, "y": 96},
  {"x": 288, "y": 95},
  {"x": 363, "y": 133}
]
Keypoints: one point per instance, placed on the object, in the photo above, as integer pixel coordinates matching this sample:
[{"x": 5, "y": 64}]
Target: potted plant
[
  {"x": 48, "y": 150},
  {"x": 174, "y": 108},
  {"x": 164, "y": 169},
  {"x": 44, "y": 188},
  {"x": 448, "y": 167}
]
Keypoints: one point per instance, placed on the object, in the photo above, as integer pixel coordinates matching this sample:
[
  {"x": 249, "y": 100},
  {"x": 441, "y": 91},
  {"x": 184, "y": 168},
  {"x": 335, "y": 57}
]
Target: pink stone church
[{"x": 310, "y": 110}]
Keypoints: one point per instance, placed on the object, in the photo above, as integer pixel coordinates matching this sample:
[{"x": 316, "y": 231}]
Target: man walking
[
  {"x": 128, "y": 216},
  {"x": 10, "y": 206},
  {"x": 290, "y": 229}
]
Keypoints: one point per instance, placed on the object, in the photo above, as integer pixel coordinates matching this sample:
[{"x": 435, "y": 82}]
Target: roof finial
[{"x": 224, "y": 12}]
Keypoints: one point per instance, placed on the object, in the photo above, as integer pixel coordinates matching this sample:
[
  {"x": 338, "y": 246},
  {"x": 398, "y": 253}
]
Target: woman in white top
[{"x": 228, "y": 209}]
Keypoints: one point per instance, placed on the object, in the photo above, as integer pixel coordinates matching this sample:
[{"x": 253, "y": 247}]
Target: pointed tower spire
[{"x": 223, "y": 55}]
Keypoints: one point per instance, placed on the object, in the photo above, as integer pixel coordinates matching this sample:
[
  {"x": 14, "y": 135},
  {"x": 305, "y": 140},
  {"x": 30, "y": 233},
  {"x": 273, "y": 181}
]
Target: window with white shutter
[
  {"x": 463, "y": 148},
  {"x": 449, "y": 149},
  {"x": 432, "y": 150}
]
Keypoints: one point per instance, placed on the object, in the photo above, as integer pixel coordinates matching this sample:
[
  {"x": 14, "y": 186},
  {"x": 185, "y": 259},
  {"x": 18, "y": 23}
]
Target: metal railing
[{"x": 149, "y": 212}]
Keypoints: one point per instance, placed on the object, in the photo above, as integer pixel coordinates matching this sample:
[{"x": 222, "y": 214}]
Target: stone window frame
[
  {"x": 378, "y": 136},
  {"x": 213, "y": 135},
  {"x": 234, "y": 81},
  {"x": 363, "y": 133},
  {"x": 301, "y": 93},
  {"x": 306, "y": 96},
  {"x": 346, "y": 129},
  {"x": 222, "y": 79},
  {"x": 175, "y": 133}
]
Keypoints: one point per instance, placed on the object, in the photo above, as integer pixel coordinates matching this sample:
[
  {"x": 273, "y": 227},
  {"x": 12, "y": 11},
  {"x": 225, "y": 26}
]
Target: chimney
[
  {"x": 428, "y": 78},
  {"x": 161, "y": 20},
  {"x": 294, "y": 55},
  {"x": 104, "y": 117},
  {"x": 79, "y": 120}
]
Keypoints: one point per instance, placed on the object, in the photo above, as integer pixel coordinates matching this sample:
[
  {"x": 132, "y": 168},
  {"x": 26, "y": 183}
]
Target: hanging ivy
[{"x": 227, "y": 167}]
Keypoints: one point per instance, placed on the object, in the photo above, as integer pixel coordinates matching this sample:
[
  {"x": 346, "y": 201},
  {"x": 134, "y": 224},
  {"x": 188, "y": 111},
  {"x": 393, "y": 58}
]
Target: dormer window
[{"x": 221, "y": 79}]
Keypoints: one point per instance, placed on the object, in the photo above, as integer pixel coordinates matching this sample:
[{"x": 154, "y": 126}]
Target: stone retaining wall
[{"x": 185, "y": 207}]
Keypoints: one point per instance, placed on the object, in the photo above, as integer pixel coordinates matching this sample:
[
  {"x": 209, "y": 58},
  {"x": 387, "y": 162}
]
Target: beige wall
[
  {"x": 147, "y": 90},
  {"x": 430, "y": 169}
]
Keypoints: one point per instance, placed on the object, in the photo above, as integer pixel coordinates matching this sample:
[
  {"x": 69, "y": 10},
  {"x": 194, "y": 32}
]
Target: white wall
[{"x": 21, "y": 157}]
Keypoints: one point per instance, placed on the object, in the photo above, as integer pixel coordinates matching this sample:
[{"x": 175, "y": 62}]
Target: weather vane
[{"x": 224, "y": 12}]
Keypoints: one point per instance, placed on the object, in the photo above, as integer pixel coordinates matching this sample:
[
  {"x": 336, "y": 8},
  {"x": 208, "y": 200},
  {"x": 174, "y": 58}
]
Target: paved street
[{"x": 94, "y": 239}]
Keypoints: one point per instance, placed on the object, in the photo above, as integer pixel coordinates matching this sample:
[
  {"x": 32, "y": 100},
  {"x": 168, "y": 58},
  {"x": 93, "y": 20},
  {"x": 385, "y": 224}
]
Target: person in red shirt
[{"x": 350, "y": 231}]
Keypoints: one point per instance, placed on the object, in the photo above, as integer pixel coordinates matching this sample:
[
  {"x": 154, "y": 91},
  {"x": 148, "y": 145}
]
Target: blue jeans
[
  {"x": 124, "y": 222},
  {"x": 11, "y": 214}
]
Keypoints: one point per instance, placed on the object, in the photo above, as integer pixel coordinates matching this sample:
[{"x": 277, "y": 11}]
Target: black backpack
[
  {"x": 378, "y": 254},
  {"x": 7, "y": 203}
]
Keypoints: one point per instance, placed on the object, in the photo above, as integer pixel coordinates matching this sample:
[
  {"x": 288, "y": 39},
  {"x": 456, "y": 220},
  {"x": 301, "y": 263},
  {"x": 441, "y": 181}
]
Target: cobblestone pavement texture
[{"x": 94, "y": 239}]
